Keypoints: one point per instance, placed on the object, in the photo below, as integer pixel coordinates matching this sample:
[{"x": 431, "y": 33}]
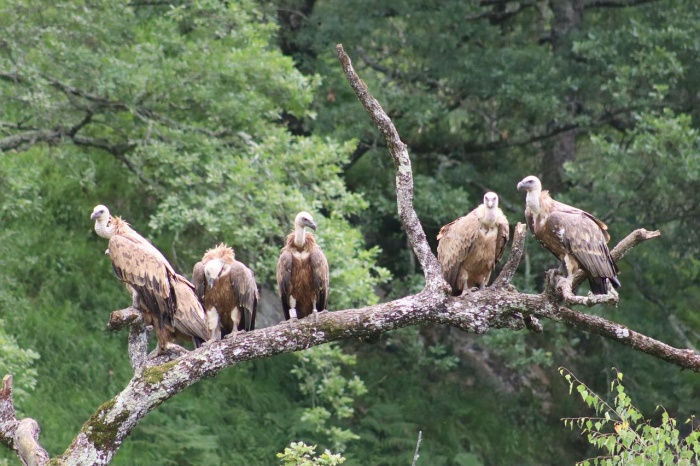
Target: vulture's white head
[
  {"x": 100, "y": 214},
  {"x": 530, "y": 184},
  {"x": 304, "y": 219},
  {"x": 214, "y": 269},
  {"x": 491, "y": 200}
]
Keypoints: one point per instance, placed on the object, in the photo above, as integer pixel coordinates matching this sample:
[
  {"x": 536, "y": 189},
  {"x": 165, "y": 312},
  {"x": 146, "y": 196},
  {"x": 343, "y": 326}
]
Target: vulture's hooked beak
[
  {"x": 94, "y": 216},
  {"x": 521, "y": 186},
  {"x": 312, "y": 225},
  {"x": 211, "y": 283}
]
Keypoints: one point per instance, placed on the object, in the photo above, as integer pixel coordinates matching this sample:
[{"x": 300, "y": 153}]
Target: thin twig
[{"x": 415, "y": 455}]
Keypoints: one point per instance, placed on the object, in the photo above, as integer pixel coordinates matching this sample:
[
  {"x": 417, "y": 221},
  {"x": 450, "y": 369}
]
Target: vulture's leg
[
  {"x": 562, "y": 267},
  {"x": 165, "y": 347},
  {"x": 570, "y": 269},
  {"x": 317, "y": 312},
  {"x": 236, "y": 318},
  {"x": 134, "y": 298},
  {"x": 213, "y": 324},
  {"x": 463, "y": 282},
  {"x": 292, "y": 308},
  {"x": 175, "y": 349}
]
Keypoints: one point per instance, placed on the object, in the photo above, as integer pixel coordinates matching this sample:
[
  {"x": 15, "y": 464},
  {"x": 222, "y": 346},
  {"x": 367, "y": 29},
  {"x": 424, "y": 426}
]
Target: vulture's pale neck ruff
[
  {"x": 489, "y": 210},
  {"x": 299, "y": 236},
  {"x": 533, "y": 200},
  {"x": 488, "y": 219}
]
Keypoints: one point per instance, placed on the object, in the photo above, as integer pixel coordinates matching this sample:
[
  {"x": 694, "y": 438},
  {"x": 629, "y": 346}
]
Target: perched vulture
[
  {"x": 302, "y": 272},
  {"x": 227, "y": 289},
  {"x": 470, "y": 247},
  {"x": 575, "y": 237},
  {"x": 167, "y": 300}
]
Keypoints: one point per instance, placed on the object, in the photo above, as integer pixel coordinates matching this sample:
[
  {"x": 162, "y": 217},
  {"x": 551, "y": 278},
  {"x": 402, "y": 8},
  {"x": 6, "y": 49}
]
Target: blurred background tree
[{"x": 207, "y": 121}]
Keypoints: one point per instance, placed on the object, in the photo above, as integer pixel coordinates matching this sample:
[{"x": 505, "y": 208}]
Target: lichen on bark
[{"x": 102, "y": 433}]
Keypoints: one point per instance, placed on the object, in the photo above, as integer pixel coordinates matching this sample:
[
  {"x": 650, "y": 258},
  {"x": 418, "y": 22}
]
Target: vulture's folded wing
[
  {"x": 244, "y": 288},
  {"x": 503, "y": 235},
  {"x": 319, "y": 267},
  {"x": 189, "y": 317},
  {"x": 455, "y": 242},
  {"x": 585, "y": 240},
  {"x": 284, "y": 279}
]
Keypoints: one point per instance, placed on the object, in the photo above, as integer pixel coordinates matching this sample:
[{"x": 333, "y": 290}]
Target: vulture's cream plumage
[
  {"x": 227, "y": 289},
  {"x": 470, "y": 247},
  {"x": 302, "y": 272},
  {"x": 575, "y": 237},
  {"x": 167, "y": 300}
]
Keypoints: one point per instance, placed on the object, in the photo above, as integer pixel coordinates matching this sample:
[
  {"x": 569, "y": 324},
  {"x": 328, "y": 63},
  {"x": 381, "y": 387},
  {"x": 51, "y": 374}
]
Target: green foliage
[
  {"x": 20, "y": 363},
  {"x": 300, "y": 454},
  {"x": 331, "y": 393},
  {"x": 620, "y": 429}
]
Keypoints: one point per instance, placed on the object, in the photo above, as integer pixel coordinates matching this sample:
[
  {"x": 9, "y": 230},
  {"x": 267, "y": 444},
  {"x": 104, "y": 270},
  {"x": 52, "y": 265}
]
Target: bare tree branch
[
  {"x": 685, "y": 358},
  {"x": 404, "y": 174},
  {"x": 516, "y": 253},
  {"x": 21, "y": 436}
]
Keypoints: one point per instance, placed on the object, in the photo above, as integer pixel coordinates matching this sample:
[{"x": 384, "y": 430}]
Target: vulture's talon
[{"x": 232, "y": 336}]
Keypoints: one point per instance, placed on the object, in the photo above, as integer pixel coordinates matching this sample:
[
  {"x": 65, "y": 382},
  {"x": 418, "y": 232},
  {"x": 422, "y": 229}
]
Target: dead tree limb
[
  {"x": 21, "y": 436},
  {"x": 499, "y": 306},
  {"x": 404, "y": 174}
]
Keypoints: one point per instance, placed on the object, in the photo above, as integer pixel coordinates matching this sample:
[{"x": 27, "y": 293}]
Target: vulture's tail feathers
[
  {"x": 615, "y": 282},
  {"x": 599, "y": 285},
  {"x": 197, "y": 342}
]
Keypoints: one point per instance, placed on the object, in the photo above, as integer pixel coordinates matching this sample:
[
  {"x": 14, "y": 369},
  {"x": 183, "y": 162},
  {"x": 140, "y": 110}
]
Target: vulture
[
  {"x": 228, "y": 291},
  {"x": 575, "y": 237},
  {"x": 470, "y": 247},
  {"x": 302, "y": 272},
  {"x": 167, "y": 300}
]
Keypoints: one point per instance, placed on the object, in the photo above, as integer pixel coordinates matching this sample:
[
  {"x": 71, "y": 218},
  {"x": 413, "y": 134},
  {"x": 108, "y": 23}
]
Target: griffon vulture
[
  {"x": 228, "y": 291},
  {"x": 167, "y": 300},
  {"x": 575, "y": 237},
  {"x": 302, "y": 272},
  {"x": 470, "y": 247}
]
